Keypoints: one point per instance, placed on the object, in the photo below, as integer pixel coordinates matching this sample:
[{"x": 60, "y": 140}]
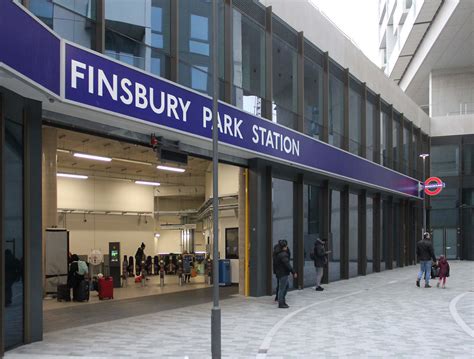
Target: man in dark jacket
[
  {"x": 320, "y": 261},
  {"x": 283, "y": 269},
  {"x": 425, "y": 253}
]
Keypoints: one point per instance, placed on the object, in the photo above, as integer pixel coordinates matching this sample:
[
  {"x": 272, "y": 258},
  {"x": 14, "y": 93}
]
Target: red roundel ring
[{"x": 437, "y": 187}]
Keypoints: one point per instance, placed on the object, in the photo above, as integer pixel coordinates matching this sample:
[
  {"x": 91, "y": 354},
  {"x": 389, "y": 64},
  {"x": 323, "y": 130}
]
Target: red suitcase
[{"x": 106, "y": 288}]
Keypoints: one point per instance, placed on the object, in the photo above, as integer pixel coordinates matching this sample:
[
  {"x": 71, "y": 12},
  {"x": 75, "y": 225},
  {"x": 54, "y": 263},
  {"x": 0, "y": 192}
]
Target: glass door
[
  {"x": 438, "y": 240},
  {"x": 451, "y": 243},
  {"x": 445, "y": 242}
]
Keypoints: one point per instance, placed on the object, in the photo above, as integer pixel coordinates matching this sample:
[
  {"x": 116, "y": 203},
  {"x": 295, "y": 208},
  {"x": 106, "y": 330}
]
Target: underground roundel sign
[{"x": 433, "y": 186}]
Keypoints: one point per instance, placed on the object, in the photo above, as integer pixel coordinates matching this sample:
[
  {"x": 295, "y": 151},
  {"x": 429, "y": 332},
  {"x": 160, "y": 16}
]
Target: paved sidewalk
[{"x": 380, "y": 315}]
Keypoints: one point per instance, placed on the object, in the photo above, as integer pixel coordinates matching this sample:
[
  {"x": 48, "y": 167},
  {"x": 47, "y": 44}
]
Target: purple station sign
[{"x": 96, "y": 81}]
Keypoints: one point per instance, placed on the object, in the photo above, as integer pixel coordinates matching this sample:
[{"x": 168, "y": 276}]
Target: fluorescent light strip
[
  {"x": 63, "y": 151},
  {"x": 148, "y": 183},
  {"x": 92, "y": 157},
  {"x": 172, "y": 169},
  {"x": 70, "y": 175},
  {"x": 132, "y": 161}
]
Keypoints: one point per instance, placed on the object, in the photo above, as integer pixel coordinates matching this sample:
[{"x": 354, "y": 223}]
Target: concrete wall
[
  {"x": 452, "y": 92},
  {"x": 228, "y": 180},
  {"x": 303, "y": 16}
]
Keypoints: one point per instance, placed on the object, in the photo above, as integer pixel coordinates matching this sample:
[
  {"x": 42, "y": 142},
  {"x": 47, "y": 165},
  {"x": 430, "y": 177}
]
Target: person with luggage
[
  {"x": 425, "y": 253},
  {"x": 140, "y": 258},
  {"x": 443, "y": 272},
  {"x": 283, "y": 269},
  {"x": 187, "y": 265},
  {"x": 320, "y": 260},
  {"x": 77, "y": 275}
]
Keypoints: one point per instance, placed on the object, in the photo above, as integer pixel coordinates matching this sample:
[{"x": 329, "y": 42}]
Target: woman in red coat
[{"x": 443, "y": 266}]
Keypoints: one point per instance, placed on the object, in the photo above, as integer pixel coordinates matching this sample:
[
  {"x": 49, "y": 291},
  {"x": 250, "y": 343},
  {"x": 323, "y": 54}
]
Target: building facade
[
  {"x": 332, "y": 145},
  {"x": 427, "y": 48}
]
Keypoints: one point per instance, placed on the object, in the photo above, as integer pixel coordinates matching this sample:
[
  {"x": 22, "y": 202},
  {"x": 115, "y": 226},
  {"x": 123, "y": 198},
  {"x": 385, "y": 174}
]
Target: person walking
[
  {"x": 320, "y": 261},
  {"x": 443, "y": 266},
  {"x": 283, "y": 269},
  {"x": 425, "y": 253}
]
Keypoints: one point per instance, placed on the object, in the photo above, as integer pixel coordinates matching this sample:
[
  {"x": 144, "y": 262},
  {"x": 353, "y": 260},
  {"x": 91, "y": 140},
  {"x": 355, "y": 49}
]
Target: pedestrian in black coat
[{"x": 283, "y": 269}]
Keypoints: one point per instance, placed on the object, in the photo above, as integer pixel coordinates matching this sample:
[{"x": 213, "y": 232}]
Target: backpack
[{"x": 82, "y": 268}]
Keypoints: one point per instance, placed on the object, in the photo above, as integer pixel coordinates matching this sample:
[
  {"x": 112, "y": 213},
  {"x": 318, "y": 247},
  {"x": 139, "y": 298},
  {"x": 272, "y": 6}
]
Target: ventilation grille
[{"x": 252, "y": 9}]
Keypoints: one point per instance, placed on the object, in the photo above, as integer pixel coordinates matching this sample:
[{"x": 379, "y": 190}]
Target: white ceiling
[
  {"x": 85, "y": 143},
  {"x": 454, "y": 48}
]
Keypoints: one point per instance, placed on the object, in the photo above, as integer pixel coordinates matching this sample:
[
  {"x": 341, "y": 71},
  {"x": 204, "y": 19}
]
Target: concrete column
[{"x": 49, "y": 182}]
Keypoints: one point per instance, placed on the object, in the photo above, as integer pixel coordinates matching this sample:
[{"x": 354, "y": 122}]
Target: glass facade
[
  {"x": 369, "y": 235},
  {"x": 384, "y": 135},
  {"x": 248, "y": 62},
  {"x": 312, "y": 227},
  {"x": 370, "y": 129},
  {"x": 406, "y": 150},
  {"x": 13, "y": 241},
  {"x": 353, "y": 234},
  {"x": 396, "y": 128},
  {"x": 195, "y": 52},
  {"x": 445, "y": 160},
  {"x": 73, "y": 20},
  {"x": 355, "y": 116},
  {"x": 285, "y": 82},
  {"x": 313, "y": 92},
  {"x": 336, "y": 106},
  {"x": 282, "y": 217},
  {"x": 335, "y": 237}
]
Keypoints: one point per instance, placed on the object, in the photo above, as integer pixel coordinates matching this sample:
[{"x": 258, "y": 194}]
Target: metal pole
[
  {"x": 424, "y": 197},
  {"x": 216, "y": 310}
]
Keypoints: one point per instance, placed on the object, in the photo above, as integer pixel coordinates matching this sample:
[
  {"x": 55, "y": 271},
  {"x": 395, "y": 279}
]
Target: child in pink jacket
[{"x": 443, "y": 266}]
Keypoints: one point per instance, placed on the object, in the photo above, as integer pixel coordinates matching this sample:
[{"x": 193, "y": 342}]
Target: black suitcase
[
  {"x": 64, "y": 293},
  {"x": 81, "y": 292}
]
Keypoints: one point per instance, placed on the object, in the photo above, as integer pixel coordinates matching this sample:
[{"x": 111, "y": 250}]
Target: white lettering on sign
[
  {"x": 128, "y": 92},
  {"x": 131, "y": 93},
  {"x": 275, "y": 140},
  {"x": 231, "y": 125}
]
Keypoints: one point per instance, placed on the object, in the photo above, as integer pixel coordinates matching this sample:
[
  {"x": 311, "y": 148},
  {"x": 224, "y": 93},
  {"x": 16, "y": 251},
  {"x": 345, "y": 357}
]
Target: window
[
  {"x": 395, "y": 142},
  {"x": 312, "y": 225},
  {"x": 369, "y": 235},
  {"x": 313, "y": 96},
  {"x": 384, "y": 132},
  {"x": 355, "y": 115},
  {"x": 336, "y": 106},
  {"x": 353, "y": 234},
  {"x": 468, "y": 159},
  {"x": 444, "y": 160},
  {"x": 248, "y": 64},
  {"x": 335, "y": 237},
  {"x": 195, "y": 31},
  {"x": 284, "y": 84},
  {"x": 370, "y": 134},
  {"x": 160, "y": 38},
  {"x": 406, "y": 150},
  {"x": 282, "y": 216},
  {"x": 232, "y": 243}
]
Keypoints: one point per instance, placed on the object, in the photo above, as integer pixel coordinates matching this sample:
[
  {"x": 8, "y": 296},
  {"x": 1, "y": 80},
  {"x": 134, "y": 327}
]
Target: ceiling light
[
  {"x": 63, "y": 151},
  {"x": 69, "y": 175},
  {"x": 92, "y": 157},
  {"x": 172, "y": 169},
  {"x": 132, "y": 161},
  {"x": 148, "y": 183}
]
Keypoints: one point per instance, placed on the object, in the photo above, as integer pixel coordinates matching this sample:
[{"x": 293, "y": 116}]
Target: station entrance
[{"x": 137, "y": 216}]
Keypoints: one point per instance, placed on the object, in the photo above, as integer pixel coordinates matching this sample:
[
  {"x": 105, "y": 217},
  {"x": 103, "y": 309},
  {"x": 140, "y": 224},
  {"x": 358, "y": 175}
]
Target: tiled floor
[
  {"x": 380, "y": 315},
  {"x": 135, "y": 290}
]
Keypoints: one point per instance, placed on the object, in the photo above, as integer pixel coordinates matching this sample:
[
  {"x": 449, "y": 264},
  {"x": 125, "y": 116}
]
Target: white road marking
[{"x": 457, "y": 317}]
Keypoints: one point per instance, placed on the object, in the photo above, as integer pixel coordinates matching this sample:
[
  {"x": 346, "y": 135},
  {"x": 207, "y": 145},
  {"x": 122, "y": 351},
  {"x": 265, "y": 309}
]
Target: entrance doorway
[
  {"x": 111, "y": 198},
  {"x": 445, "y": 242}
]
